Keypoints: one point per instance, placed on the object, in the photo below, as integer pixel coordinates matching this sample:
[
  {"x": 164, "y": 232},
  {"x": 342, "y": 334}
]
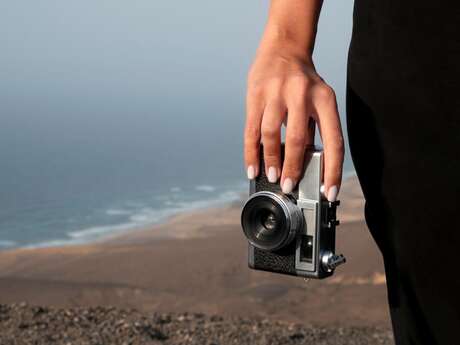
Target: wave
[
  {"x": 140, "y": 213},
  {"x": 96, "y": 231},
  {"x": 205, "y": 188},
  {"x": 141, "y": 216},
  {"x": 52, "y": 243},
  {"x": 117, "y": 212},
  {"x": 7, "y": 244}
]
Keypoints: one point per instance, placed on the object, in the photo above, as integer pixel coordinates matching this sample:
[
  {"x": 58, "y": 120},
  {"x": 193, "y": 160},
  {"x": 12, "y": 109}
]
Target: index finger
[{"x": 254, "y": 113}]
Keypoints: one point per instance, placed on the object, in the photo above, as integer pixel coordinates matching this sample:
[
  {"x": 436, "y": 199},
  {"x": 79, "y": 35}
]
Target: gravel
[{"x": 25, "y": 324}]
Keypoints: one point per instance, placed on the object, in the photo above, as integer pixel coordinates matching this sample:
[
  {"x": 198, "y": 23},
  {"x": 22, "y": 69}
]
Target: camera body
[{"x": 292, "y": 234}]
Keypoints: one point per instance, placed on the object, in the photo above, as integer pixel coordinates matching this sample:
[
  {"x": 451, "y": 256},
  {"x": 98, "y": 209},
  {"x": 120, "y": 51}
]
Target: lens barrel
[{"x": 270, "y": 221}]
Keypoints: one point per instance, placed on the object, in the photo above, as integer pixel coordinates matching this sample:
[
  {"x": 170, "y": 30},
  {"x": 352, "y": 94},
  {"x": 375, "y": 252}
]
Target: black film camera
[{"x": 292, "y": 233}]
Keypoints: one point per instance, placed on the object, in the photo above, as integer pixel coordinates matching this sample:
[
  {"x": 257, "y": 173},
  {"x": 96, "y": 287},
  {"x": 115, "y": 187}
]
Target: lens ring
[{"x": 270, "y": 220}]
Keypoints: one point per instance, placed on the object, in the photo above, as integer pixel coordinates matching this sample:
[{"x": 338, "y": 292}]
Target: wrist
[
  {"x": 285, "y": 51},
  {"x": 282, "y": 41}
]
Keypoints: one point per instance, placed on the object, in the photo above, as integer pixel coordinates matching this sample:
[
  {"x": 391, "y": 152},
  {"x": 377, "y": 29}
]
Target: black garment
[{"x": 403, "y": 115}]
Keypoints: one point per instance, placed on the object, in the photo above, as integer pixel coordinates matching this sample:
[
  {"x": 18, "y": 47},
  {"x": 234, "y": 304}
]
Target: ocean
[
  {"x": 69, "y": 188},
  {"x": 77, "y": 166},
  {"x": 85, "y": 217},
  {"x": 59, "y": 195},
  {"x": 115, "y": 116}
]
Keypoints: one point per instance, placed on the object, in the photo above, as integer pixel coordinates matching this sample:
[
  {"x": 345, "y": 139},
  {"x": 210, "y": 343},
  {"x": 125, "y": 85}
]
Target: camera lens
[{"x": 270, "y": 220}]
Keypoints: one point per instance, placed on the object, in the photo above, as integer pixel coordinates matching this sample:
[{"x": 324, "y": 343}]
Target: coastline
[
  {"x": 197, "y": 262},
  {"x": 189, "y": 224},
  {"x": 172, "y": 226},
  {"x": 144, "y": 218},
  {"x": 137, "y": 216}
]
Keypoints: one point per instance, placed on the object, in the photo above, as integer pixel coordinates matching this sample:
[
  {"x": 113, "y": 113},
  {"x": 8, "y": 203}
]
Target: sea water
[
  {"x": 116, "y": 116},
  {"x": 58, "y": 189},
  {"x": 54, "y": 194}
]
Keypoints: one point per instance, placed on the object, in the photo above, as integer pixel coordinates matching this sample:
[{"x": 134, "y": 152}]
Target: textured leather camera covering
[{"x": 280, "y": 262}]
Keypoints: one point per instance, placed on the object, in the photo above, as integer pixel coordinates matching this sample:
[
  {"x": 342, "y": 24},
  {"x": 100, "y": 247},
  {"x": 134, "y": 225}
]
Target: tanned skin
[{"x": 283, "y": 85}]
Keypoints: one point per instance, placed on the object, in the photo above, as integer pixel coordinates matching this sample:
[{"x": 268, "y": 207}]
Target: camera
[{"x": 292, "y": 233}]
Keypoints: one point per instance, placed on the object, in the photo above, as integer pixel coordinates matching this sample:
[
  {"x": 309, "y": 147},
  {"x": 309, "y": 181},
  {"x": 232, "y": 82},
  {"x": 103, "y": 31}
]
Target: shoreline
[
  {"x": 128, "y": 230},
  {"x": 173, "y": 227},
  {"x": 156, "y": 230},
  {"x": 197, "y": 262},
  {"x": 175, "y": 218}
]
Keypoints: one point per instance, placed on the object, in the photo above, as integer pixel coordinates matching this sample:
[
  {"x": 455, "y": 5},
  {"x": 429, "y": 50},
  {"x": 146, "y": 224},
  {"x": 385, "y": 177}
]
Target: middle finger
[{"x": 272, "y": 120}]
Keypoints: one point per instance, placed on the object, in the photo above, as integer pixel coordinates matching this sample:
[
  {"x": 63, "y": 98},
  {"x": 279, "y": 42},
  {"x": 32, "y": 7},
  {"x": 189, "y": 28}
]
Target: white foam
[
  {"x": 7, "y": 244},
  {"x": 148, "y": 216},
  {"x": 205, "y": 188},
  {"x": 175, "y": 189},
  {"x": 134, "y": 204},
  {"x": 117, "y": 212},
  {"x": 142, "y": 216},
  {"x": 51, "y": 243},
  {"x": 97, "y": 231}
]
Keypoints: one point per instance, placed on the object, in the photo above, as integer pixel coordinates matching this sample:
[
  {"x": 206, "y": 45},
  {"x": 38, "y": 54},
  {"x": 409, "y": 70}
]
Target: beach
[{"x": 196, "y": 263}]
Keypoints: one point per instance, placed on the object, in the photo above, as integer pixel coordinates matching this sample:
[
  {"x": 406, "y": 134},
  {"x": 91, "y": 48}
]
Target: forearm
[
  {"x": 291, "y": 26},
  {"x": 282, "y": 83}
]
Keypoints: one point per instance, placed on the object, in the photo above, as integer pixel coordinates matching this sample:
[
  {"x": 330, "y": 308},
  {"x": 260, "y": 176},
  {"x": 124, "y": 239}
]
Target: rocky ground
[{"x": 24, "y": 324}]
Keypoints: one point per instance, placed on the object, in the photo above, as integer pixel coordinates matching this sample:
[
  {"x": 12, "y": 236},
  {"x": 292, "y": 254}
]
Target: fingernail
[
  {"x": 251, "y": 172},
  {"x": 272, "y": 175},
  {"x": 332, "y": 194},
  {"x": 288, "y": 186},
  {"x": 322, "y": 189}
]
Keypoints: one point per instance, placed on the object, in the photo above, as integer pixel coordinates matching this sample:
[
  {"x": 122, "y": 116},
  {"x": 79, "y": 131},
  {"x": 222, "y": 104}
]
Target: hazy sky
[{"x": 155, "y": 75}]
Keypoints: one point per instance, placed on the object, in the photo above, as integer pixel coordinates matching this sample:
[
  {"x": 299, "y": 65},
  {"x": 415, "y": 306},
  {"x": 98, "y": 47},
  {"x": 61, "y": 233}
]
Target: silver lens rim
[{"x": 292, "y": 213}]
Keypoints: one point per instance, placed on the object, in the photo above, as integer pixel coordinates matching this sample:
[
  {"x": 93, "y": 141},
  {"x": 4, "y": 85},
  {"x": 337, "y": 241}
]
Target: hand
[{"x": 282, "y": 85}]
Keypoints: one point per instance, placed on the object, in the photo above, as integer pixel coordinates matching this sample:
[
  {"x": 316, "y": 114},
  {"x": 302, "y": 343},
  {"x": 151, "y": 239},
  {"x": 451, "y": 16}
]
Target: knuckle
[
  {"x": 301, "y": 92},
  {"x": 295, "y": 138},
  {"x": 255, "y": 90},
  {"x": 269, "y": 132},
  {"x": 301, "y": 82},
  {"x": 325, "y": 93},
  {"x": 304, "y": 87},
  {"x": 274, "y": 94}
]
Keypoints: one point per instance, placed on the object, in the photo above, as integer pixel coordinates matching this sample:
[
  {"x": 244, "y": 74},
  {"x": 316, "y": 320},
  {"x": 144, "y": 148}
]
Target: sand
[
  {"x": 24, "y": 324},
  {"x": 197, "y": 262}
]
